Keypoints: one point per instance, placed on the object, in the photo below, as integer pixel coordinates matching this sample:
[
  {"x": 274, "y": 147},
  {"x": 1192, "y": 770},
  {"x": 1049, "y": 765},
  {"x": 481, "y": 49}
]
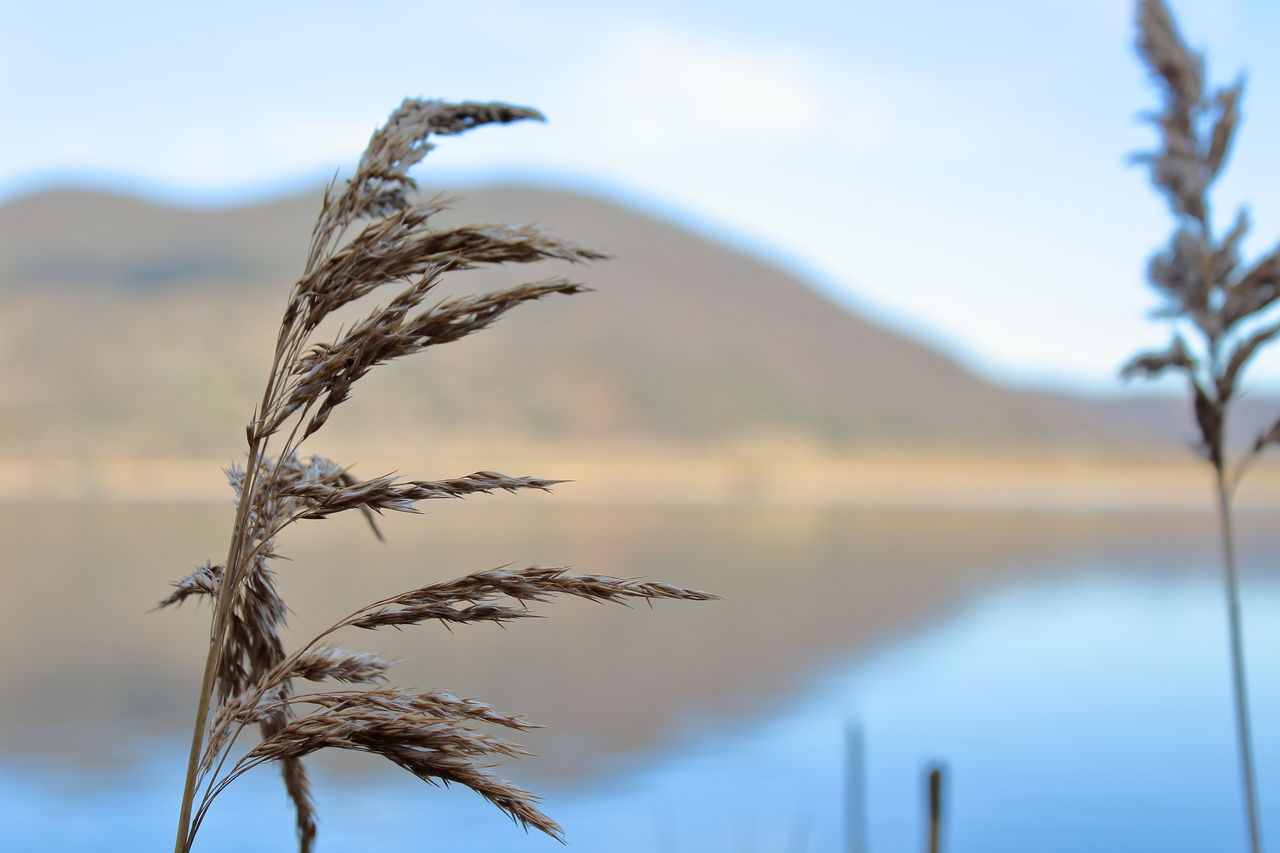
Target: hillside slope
[{"x": 135, "y": 327}]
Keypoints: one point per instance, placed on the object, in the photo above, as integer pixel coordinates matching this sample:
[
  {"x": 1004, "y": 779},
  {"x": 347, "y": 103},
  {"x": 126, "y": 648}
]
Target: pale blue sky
[{"x": 957, "y": 169}]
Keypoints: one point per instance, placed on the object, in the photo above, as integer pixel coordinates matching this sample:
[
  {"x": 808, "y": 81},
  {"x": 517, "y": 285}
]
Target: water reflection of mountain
[{"x": 802, "y": 588}]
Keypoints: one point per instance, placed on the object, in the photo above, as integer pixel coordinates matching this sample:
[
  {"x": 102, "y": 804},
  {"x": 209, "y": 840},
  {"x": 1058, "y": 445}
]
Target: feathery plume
[
  {"x": 1215, "y": 302},
  {"x": 249, "y": 674}
]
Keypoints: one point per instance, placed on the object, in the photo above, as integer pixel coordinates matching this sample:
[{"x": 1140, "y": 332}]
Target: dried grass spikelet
[
  {"x": 1220, "y": 307},
  {"x": 249, "y": 675}
]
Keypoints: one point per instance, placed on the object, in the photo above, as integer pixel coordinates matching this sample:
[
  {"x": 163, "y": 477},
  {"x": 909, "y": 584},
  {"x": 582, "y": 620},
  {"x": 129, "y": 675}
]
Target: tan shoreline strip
[{"x": 879, "y": 480}]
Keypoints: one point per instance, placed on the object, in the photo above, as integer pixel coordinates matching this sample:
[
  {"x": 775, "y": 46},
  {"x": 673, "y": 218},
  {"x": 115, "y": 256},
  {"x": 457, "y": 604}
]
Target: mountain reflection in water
[{"x": 1070, "y": 670}]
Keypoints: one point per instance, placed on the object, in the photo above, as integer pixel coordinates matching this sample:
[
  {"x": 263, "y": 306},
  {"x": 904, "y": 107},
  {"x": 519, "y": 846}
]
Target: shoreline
[{"x": 628, "y": 476}]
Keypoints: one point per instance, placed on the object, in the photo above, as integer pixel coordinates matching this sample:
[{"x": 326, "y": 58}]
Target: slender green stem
[{"x": 1244, "y": 733}]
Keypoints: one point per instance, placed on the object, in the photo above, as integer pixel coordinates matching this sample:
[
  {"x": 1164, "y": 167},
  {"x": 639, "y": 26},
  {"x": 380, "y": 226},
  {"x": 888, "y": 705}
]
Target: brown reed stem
[
  {"x": 226, "y": 601},
  {"x": 222, "y": 606},
  {"x": 197, "y": 744},
  {"x": 1244, "y": 732}
]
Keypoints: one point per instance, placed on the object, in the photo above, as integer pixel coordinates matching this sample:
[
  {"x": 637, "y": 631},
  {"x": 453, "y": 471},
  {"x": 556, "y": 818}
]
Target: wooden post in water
[
  {"x": 855, "y": 790},
  {"x": 935, "y": 808}
]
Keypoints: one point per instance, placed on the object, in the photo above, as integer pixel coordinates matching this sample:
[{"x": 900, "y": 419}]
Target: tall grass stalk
[
  {"x": 371, "y": 236},
  {"x": 1220, "y": 307}
]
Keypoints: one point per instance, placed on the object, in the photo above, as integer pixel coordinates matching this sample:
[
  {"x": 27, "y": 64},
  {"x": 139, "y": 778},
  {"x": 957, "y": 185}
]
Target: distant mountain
[{"x": 136, "y": 327}]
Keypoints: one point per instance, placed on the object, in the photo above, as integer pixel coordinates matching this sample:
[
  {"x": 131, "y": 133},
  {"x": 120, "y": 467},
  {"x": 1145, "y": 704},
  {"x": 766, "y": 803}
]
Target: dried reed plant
[
  {"x": 249, "y": 677},
  {"x": 1219, "y": 306}
]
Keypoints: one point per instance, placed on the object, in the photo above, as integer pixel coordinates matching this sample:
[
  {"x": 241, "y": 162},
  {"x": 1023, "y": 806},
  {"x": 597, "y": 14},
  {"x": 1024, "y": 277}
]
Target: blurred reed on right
[{"x": 1218, "y": 305}]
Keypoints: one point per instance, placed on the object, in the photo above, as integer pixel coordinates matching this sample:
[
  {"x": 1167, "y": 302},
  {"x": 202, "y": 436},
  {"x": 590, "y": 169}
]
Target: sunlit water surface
[{"x": 1069, "y": 671}]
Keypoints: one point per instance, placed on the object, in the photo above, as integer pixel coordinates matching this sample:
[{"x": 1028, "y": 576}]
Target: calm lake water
[{"x": 1070, "y": 671}]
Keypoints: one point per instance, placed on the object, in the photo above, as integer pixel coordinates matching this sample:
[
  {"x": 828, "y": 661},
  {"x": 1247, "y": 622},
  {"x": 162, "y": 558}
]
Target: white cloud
[
  {"x": 857, "y": 131},
  {"x": 313, "y": 142},
  {"x": 664, "y": 91}
]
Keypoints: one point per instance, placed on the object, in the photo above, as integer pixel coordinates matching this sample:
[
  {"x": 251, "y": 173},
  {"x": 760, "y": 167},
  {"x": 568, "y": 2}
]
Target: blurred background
[{"x": 853, "y": 368}]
